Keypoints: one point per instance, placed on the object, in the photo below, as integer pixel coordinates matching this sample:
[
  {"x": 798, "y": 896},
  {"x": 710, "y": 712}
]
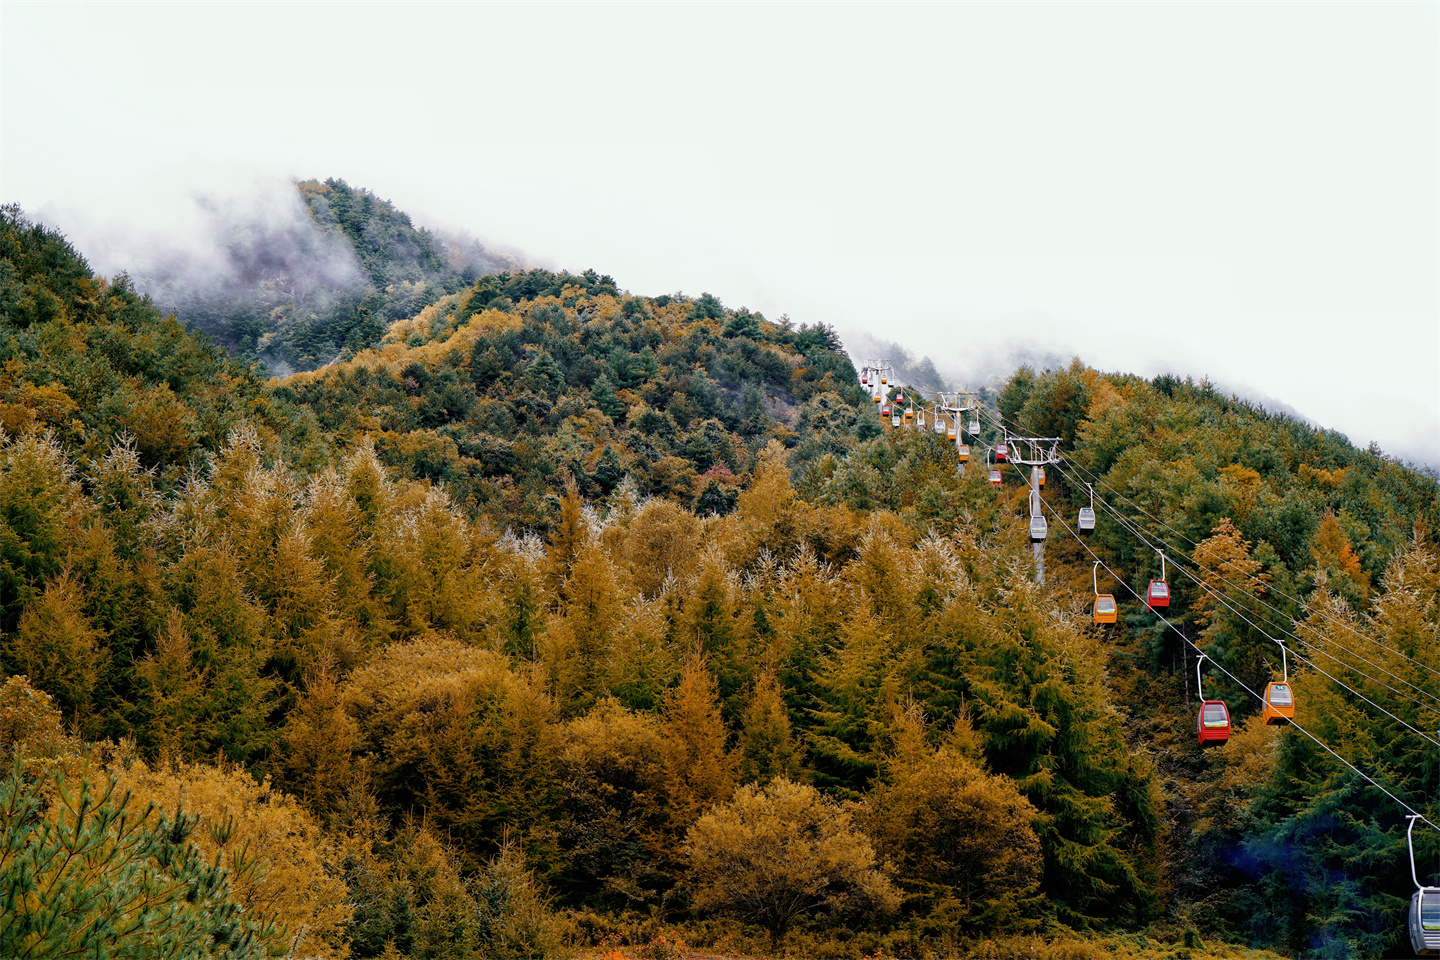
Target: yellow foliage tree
[
  {"x": 282, "y": 865},
  {"x": 660, "y": 544},
  {"x": 58, "y": 647},
  {"x": 767, "y": 748},
  {"x": 962, "y": 839},
  {"x": 320, "y": 737},
  {"x": 698, "y": 770},
  {"x": 773, "y": 854}
]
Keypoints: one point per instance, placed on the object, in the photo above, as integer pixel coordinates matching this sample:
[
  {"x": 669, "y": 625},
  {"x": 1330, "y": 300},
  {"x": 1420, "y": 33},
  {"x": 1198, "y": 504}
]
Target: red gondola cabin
[
  {"x": 1158, "y": 594},
  {"x": 1212, "y": 723},
  {"x": 995, "y": 480},
  {"x": 1002, "y": 452}
]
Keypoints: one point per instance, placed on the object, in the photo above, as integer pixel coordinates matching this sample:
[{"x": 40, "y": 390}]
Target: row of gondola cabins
[{"x": 1212, "y": 722}]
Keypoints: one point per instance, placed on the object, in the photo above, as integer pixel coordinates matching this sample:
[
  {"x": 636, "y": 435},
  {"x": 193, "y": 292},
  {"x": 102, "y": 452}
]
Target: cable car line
[
  {"x": 1213, "y": 721},
  {"x": 1133, "y": 527},
  {"x": 1401, "y": 803},
  {"x": 1140, "y": 535},
  {"x": 1323, "y": 613},
  {"x": 1136, "y": 531}
]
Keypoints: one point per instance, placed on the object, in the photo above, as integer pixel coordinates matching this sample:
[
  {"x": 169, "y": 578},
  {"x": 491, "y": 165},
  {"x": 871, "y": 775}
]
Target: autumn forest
[{"x": 524, "y": 616}]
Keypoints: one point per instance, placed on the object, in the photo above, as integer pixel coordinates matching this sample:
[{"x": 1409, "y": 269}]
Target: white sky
[{"x": 1244, "y": 191}]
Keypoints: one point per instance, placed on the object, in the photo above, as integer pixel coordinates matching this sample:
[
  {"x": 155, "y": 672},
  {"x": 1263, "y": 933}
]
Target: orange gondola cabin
[
  {"x": 1105, "y": 609},
  {"x": 962, "y": 452},
  {"x": 1279, "y": 704}
]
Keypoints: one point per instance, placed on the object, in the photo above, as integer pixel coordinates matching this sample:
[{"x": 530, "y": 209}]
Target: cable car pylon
[
  {"x": 1035, "y": 453},
  {"x": 956, "y": 405}
]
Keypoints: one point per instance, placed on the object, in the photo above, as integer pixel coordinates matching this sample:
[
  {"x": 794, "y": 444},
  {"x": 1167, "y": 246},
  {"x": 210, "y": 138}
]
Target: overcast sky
[{"x": 1241, "y": 191}]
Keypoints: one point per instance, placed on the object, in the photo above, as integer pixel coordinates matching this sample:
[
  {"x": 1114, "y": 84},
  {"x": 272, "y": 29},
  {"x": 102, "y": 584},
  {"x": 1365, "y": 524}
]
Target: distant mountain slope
[
  {"x": 90, "y": 360},
  {"x": 297, "y": 287},
  {"x": 496, "y": 389}
]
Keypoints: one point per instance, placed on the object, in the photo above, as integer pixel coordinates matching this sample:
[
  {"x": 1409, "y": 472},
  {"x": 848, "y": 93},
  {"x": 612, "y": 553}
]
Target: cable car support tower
[
  {"x": 957, "y": 405},
  {"x": 1036, "y": 453}
]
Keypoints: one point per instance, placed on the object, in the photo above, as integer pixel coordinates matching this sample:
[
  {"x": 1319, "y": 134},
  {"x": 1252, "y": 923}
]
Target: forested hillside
[
  {"x": 565, "y": 619},
  {"x": 298, "y": 288},
  {"x": 1272, "y": 531}
]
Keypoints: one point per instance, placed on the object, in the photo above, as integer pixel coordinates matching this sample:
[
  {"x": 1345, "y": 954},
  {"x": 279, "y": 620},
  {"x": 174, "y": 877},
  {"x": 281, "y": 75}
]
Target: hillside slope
[{"x": 584, "y": 576}]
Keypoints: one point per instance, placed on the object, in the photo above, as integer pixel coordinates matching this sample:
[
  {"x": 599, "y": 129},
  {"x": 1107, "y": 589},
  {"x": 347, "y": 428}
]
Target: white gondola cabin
[
  {"x": 995, "y": 479},
  {"x": 1086, "y": 522},
  {"x": 1424, "y": 906},
  {"x": 1425, "y": 921},
  {"x": 1038, "y": 529}
]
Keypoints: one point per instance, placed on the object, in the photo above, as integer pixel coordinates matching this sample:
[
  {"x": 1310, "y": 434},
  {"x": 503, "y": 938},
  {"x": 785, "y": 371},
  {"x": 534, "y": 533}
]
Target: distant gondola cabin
[
  {"x": 1086, "y": 523},
  {"x": 1038, "y": 528},
  {"x": 962, "y": 453},
  {"x": 1002, "y": 451},
  {"x": 1212, "y": 723},
  {"x": 995, "y": 480}
]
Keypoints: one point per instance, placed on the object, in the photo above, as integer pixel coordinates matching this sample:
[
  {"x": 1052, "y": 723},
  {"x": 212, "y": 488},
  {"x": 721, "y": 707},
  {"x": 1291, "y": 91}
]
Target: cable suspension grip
[{"x": 1409, "y": 842}]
